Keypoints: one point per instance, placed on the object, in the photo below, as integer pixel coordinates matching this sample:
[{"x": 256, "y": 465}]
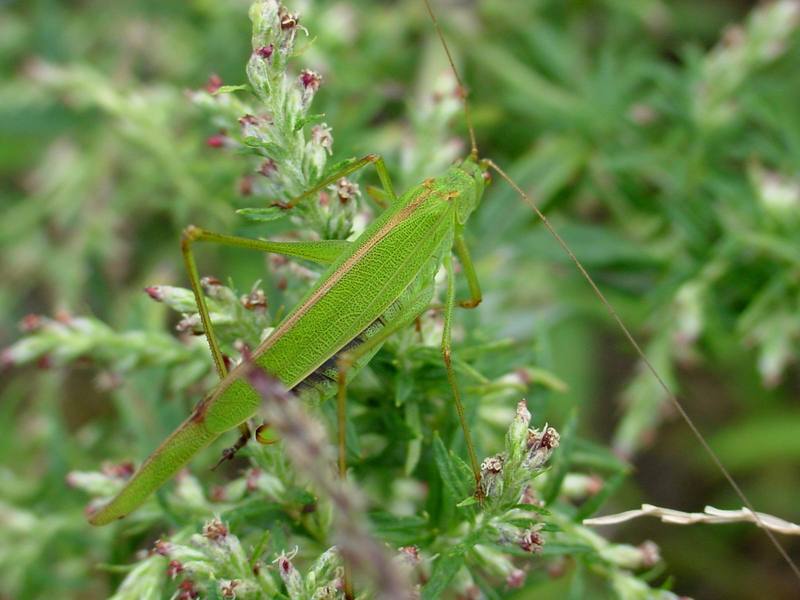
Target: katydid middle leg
[{"x": 449, "y": 308}]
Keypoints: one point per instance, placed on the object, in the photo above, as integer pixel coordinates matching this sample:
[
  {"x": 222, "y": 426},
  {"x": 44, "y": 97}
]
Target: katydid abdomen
[{"x": 384, "y": 278}]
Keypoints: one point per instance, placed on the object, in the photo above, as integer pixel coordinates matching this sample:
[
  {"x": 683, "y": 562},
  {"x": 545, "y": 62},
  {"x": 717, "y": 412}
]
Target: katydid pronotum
[{"x": 373, "y": 287}]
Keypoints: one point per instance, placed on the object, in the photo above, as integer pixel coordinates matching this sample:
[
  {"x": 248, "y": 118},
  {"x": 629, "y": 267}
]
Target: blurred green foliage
[{"x": 663, "y": 139}]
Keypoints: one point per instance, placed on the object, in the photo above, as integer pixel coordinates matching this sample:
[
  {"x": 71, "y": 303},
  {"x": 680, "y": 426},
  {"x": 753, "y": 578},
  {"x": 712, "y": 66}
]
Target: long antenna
[
  {"x": 615, "y": 315},
  {"x": 643, "y": 357},
  {"x": 461, "y": 87}
]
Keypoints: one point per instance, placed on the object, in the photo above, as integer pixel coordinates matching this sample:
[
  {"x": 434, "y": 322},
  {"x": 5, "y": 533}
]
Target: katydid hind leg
[{"x": 345, "y": 363}]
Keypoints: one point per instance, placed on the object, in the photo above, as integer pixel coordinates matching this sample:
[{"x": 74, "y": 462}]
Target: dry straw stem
[{"x": 710, "y": 515}]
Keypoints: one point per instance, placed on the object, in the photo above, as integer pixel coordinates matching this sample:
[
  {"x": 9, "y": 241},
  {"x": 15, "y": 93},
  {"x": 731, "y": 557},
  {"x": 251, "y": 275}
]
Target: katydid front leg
[{"x": 380, "y": 167}]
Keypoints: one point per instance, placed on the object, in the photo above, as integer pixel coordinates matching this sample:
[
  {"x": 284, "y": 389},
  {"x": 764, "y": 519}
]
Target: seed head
[
  {"x": 255, "y": 300},
  {"x": 492, "y": 475},
  {"x": 531, "y": 540},
  {"x": 215, "y": 530},
  {"x": 174, "y": 568},
  {"x": 288, "y": 20},
  {"x": 310, "y": 80},
  {"x": 228, "y": 588},
  {"x": 346, "y": 190}
]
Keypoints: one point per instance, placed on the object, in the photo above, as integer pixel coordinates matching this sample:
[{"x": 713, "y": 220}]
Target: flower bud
[
  {"x": 321, "y": 136},
  {"x": 227, "y": 588},
  {"x": 346, "y": 190},
  {"x": 290, "y": 575},
  {"x": 492, "y": 475},
  {"x": 213, "y": 84},
  {"x": 215, "y": 530},
  {"x": 265, "y": 52},
  {"x": 515, "y": 579}
]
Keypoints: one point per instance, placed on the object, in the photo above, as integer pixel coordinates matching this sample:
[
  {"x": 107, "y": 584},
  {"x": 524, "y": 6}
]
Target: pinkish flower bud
[
  {"x": 216, "y": 141},
  {"x": 210, "y": 285},
  {"x": 531, "y": 540},
  {"x": 410, "y": 554},
  {"x": 310, "y": 80},
  {"x": 162, "y": 547},
  {"x": 190, "y": 324},
  {"x": 187, "y": 591},
  {"x": 515, "y": 579},
  {"x": 30, "y": 323},
  {"x": 651, "y": 554},
  {"x": 174, "y": 568},
  {"x": 63, "y": 316},
  {"x": 214, "y": 83},
  {"x": 123, "y": 470},
  {"x": 217, "y": 493},
  {"x": 7, "y": 359},
  {"x": 155, "y": 292},
  {"x": 246, "y": 186},
  {"x": 252, "y": 479},
  {"x": 529, "y": 496},
  {"x": 265, "y": 52},
  {"x": 268, "y": 168}
]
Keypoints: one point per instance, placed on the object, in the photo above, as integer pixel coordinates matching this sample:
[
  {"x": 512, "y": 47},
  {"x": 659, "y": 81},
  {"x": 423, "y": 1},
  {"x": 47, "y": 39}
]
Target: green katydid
[{"x": 373, "y": 287}]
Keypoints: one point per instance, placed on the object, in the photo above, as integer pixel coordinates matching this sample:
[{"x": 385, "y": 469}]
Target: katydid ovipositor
[{"x": 375, "y": 285}]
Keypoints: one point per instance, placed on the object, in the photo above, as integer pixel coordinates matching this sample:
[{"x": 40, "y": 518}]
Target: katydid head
[{"x": 471, "y": 194}]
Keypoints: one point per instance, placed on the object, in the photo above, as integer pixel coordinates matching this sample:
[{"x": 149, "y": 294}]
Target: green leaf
[
  {"x": 450, "y": 471},
  {"x": 471, "y": 501},
  {"x": 444, "y": 569},
  {"x": 302, "y": 122},
  {"x": 229, "y": 89},
  {"x": 400, "y": 531},
  {"x": 261, "y": 215}
]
